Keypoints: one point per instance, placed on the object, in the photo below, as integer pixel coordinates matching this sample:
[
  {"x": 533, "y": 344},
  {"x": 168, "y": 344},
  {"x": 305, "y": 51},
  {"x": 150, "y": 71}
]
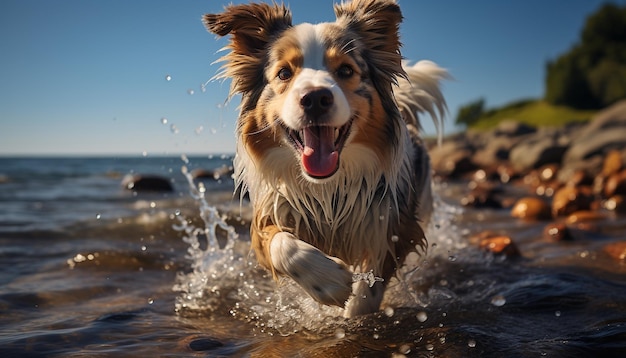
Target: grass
[{"x": 537, "y": 113}]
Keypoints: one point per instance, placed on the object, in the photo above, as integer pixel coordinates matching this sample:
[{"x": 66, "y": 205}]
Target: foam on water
[{"x": 226, "y": 277}]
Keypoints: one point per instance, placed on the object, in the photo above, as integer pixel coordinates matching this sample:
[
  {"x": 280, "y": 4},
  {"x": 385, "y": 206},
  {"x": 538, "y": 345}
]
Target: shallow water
[{"x": 90, "y": 269}]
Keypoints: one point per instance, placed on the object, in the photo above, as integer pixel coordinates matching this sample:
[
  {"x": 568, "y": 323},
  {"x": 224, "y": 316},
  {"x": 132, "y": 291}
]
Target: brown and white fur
[{"x": 328, "y": 146}]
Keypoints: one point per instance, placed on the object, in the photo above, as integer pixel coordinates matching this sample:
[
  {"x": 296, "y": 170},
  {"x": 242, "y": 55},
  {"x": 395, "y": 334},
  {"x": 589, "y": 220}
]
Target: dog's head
[{"x": 309, "y": 89}]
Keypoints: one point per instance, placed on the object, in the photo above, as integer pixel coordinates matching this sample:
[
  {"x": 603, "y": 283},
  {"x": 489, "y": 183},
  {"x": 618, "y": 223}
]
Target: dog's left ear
[
  {"x": 377, "y": 23},
  {"x": 253, "y": 28}
]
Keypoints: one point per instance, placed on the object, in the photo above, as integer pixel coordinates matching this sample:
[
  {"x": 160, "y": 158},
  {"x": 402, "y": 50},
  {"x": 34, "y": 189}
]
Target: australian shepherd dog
[{"x": 328, "y": 144}]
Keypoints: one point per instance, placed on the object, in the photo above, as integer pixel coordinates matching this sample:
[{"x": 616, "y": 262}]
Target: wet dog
[{"x": 328, "y": 144}]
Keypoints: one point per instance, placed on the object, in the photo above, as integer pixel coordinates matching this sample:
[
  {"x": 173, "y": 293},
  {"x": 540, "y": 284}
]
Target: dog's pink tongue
[{"x": 319, "y": 157}]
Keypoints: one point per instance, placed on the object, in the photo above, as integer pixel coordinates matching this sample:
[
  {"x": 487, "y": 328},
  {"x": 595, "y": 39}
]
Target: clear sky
[{"x": 87, "y": 77}]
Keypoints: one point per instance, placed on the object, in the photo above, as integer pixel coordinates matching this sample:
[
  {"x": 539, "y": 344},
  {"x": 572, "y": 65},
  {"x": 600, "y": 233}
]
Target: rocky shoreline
[{"x": 572, "y": 177}]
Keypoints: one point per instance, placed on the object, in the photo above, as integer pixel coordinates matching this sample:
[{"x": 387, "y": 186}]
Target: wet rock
[
  {"x": 531, "y": 208},
  {"x": 500, "y": 245},
  {"x": 513, "y": 128},
  {"x": 537, "y": 151},
  {"x": 204, "y": 344},
  {"x": 584, "y": 216},
  {"x": 215, "y": 174},
  {"x": 616, "y": 250},
  {"x": 605, "y": 131},
  {"x": 155, "y": 183},
  {"x": 453, "y": 157},
  {"x": 612, "y": 163},
  {"x": 569, "y": 199},
  {"x": 615, "y": 203},
  {"x": 615, "y": 184},
  {"x": 483, "y": 195},
  {"x": 579, "y": 177},
  {"x": 557, "y": 232}
]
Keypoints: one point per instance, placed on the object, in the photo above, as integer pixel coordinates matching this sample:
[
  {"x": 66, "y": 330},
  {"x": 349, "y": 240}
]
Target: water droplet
[
  {"x": 143, "y": 248},
  {"x": 375, "y": 336},
  {"x": 163, "y": 120},
  {"x": 340, "y": 333},
  {"x": 168, "y": 78},
  {"x": 190, "y": 91},
  {"x": 452, "y": 258},
  {"x": 471, "y": 343},
  {"x": 394, "y": 238},
  {"x": 98, "y": 216},
  {"x": 174, "y": 129},
  {"x": 150, "y": 301},
  {"x": 405, "y": 349},
  {"x": 429, "y": 347},
  {"x": 421, "y": 316},
  {"x": 144, "y": 153},
  {"x": 381, "y": 218},
  {"x": 389, "y": 311},
  {"x": 498, "y": 300},
  {"x": 557, "y": 313},
  {"x": 199, "y": 129}
]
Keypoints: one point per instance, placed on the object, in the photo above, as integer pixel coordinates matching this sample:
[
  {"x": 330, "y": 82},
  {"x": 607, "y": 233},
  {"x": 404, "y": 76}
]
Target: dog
[{"x": 328, "y": 144}]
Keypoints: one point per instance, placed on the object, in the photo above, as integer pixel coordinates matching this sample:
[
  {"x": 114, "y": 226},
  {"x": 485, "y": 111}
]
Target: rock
[
  {"x": 214, "y": 174},
  {"x": 513, "y": 128},
  {"x": 557, "y": 232},
  {"x": 579, "y": 177},
  {"x": 138, "y": 182},
  {"x": 613, "y": 163},
  {"x": 584, "y": 216},
  {"x": 615, "y": 184},
  {"x": 483, "y": 195},
  {"x": 500, "y": 245},
  {"x": 531, "y": 208},
  {"x": 615, "y": 203},
  {"x": 569, "y": 199},
  {"x": 605, "y": 131},
  {"x": 537, "y": 151},
  {"x": 616, "y": 250},
  {"x": 452, "y": 158}
]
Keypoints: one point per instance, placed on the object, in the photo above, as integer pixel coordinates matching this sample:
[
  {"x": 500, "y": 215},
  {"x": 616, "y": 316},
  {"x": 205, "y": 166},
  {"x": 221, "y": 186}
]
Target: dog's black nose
[{"x": 317, "y": 101}]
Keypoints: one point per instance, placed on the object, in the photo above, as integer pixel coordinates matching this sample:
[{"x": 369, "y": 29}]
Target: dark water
[{"x": 88, "y": 269}]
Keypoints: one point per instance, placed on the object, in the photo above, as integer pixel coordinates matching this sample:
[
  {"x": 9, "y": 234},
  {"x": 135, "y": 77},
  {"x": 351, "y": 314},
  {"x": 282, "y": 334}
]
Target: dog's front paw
[{"x": 323, "y": 277}]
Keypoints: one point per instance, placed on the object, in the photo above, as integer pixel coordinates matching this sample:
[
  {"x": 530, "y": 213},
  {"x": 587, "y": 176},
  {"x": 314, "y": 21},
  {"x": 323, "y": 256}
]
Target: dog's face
[{"x": 310, "y": 89}]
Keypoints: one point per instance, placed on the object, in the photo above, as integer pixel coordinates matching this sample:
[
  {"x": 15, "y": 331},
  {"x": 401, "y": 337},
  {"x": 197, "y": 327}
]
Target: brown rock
[
  {"x": 580, "y": 177},
  {"x": 585, "y": 216},
  {"x": 569, "y": 199},
  {"x": 500, "y": 245},
  {"x": 531, "y": 208},
  {"x": 557, "y": 232},
  {"x": 616, "y": 250},
  {"x": 612, "y": 163},
  {"x": 615, "y": 203},
  {"x": 615, "y": 184}
]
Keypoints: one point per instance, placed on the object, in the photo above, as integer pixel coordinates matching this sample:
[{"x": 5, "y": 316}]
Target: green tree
[
  {"x": 593, "y": 73},
  {"x": 470, "y": 113}
]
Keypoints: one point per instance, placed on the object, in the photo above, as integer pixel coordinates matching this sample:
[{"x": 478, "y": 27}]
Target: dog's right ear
[{"x": 253, "y": 27}]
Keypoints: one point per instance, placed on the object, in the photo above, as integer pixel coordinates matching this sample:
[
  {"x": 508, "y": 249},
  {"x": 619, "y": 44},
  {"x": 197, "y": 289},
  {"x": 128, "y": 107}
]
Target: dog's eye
[
  {"x": 345, "y": 71},
  {"x": 284, "y": 74}
]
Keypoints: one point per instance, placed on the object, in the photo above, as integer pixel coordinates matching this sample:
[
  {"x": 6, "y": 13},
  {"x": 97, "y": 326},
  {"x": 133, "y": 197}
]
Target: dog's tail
[{"x": 420, "y": 92}]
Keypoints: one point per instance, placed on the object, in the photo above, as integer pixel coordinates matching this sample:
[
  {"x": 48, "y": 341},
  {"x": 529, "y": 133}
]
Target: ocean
[{"x": 90, "y": 268}]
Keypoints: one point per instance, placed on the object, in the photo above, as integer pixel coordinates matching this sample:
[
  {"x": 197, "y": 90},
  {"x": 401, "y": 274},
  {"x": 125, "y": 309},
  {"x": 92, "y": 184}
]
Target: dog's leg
[
  {"x": 366, "y": 299},
  {"x": 323, "y": 277}
]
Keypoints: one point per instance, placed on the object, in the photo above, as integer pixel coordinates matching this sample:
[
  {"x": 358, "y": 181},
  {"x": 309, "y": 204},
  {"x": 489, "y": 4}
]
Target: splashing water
[{"x": 225, "y": 277}]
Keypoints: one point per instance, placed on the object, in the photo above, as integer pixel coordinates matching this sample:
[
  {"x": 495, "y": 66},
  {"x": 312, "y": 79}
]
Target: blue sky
[{"x": 89, "y": 77}]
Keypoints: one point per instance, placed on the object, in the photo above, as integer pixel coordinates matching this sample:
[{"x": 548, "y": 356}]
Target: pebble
[
  {"x": 531, "y": 208},
  {"x": 500, "y": 245},
  {"x": 616, "y": 250},
  {"x": 615, "y": 184},
  {"x": 569, "y": 199},
  {"x": 584, "y": 216},
  {"x": 557, "y": 232},
  {"x": 612, "y": 163}
]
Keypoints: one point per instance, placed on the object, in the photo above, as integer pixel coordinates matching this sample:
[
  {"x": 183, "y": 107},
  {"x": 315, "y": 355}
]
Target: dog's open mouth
[{"x": 320, "y": 147}]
